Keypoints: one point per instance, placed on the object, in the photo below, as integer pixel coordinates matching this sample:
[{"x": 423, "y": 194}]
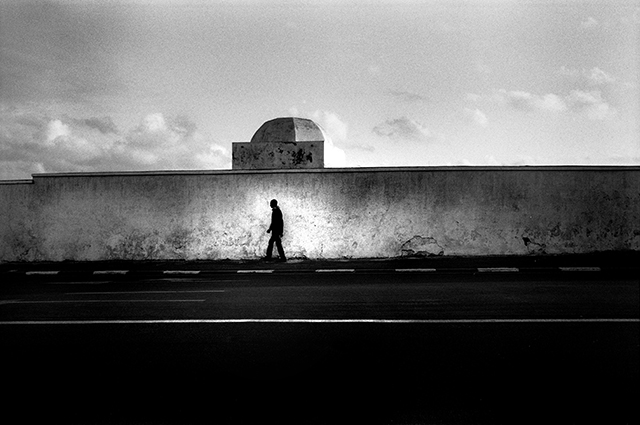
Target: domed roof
[{"x": 288, "y": 129}]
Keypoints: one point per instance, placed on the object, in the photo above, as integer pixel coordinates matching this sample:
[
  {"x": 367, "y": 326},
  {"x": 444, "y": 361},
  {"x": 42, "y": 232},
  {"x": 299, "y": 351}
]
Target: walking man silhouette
[{"x": 276, "y": 229}]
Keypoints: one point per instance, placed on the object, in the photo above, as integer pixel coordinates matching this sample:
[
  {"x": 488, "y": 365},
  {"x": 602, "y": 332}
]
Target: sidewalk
[{"x": 626, "y": 262}]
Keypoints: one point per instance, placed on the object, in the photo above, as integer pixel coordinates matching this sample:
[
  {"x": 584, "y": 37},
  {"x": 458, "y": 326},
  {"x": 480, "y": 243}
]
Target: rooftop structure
[{"x": 281, "y": 143}]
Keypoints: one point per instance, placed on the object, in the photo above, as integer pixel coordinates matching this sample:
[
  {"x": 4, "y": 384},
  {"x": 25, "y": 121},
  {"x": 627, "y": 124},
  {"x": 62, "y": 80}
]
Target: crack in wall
[
  {"x": 534, "y": 247},
  {"x": 421, "y": 246}
]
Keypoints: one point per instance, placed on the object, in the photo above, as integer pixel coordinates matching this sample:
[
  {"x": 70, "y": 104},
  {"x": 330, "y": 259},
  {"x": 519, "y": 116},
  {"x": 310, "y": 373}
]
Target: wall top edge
[
  {"x": 277, "y": 142},
  {"x": 23, "y": 181},
  {"x": 336, "y": 170}
]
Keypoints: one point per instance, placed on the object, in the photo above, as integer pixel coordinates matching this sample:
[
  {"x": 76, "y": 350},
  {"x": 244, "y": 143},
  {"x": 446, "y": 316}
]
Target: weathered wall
[
  {"x": 277, "y": 155},
  {"x": 330, "y": 213}
]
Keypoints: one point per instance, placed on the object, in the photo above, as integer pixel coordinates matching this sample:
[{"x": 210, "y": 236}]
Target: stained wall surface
[
  {"x": 277, "y": 155},
  {"x": 330, "y": 213}
]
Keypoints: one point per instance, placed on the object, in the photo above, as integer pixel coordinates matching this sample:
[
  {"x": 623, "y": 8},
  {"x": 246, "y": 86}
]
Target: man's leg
[
  {"x": 270, "y": 247},
  {"x": 280, "y": 250}
]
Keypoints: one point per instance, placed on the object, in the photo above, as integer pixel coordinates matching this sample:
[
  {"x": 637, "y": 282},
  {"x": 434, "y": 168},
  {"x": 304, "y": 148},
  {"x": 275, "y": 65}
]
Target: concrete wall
[{"x": 330, "y": 213}]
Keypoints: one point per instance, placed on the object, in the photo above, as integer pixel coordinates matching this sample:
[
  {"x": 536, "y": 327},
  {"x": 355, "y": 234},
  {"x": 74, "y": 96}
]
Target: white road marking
[
  {"x": 337, "y": 321},
  {"x": 335, "y": 270},
  {"x": 580, "y": 269},
  {"x": 255, "y": 271},
  {"x": 143, "y": 292},
  {"x": 43, "y": 273},
  {"x": 415, "y": 270},
  {"x": 497, "y": 269},
  {"x": 104, "y": 301},
  {"x": 111, "y": 272},
  {"x": 181, "y": 272}
]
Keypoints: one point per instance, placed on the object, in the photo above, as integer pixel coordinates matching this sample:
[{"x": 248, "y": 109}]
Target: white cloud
[
  {"x": 336, "y": 133},
  {"x": 32, "y": 141},
  {"x": 403, "y": 128},
  {"x": 550, "y": 102},
  {"x": 332, "y": 125},
  {"x": 334, "y": 156},
  {"x": 591, "y": 103},
  {"x": 477, "y": 116},
  {"x": 592, "y": 77},
  {"x": 598, "y": 77},
  {"x": 55, "y": 129},
  {"x": 528, "y": 101}
]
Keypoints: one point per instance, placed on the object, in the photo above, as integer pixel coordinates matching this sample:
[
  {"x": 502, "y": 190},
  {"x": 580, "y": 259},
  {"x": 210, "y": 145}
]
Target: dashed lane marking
[
  {"x": 498, "y": 269},
  {"x": 181, "y": 272},
  {"x": 335, "y": 270},
  {"x": 336, "y": 321},
  {"x": 147, "y": 292},
  {"x": 105, "y": 301},
  {"x": 120, "y": 272},
  {"x": 259, "y": 271},
  {"x": 415, "y": 270},
  {"x": 580, "y": 269},
  {"x": 42, "y": 273}
]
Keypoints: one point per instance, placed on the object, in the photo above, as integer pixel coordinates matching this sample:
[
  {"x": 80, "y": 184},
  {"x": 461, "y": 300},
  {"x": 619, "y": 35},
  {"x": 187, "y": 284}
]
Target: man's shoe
[{"x": 282, "y": 260}]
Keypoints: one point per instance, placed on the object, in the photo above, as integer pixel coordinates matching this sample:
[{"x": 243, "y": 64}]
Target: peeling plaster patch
[
  {"x": 23, "y": 244},
  {"x": 178, "y": 241},
  {"x": 135, "y": 246},
  {"x": 534, "y": 247},
  {"x": 421, "y": 246}
]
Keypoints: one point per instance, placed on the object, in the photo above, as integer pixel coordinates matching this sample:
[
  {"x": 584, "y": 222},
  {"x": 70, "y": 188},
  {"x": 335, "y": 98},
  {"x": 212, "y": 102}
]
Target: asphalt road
[{"x": 305, "y": 347}]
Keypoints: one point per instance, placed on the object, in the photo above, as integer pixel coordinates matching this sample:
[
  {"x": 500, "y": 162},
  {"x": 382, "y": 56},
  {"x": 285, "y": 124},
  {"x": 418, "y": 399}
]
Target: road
[{"x": 334, "y": 347}]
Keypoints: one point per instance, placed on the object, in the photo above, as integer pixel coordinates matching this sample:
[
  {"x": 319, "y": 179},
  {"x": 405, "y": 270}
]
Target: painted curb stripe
[
  {"x": 497, "y": 269},
  {"x": 336, "y": 321},
  {"x": 580, "y": 269}
]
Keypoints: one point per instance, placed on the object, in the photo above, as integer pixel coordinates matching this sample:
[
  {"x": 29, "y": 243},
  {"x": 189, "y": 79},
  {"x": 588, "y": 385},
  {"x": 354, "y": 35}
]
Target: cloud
[
  {"x": 592, "y": 77},
  {"x": 403, "y": 129},
  {"x": 598, "y": 77},
  {"x": 56, "y": 129},
  {"x": 528, "y": 102},
  {"x": 589, "y": 23},
  {"x": 591, "y": 103},
  {"x": 336, "y": 133},
  {"x": 332, "y": 124},
  {"x": 31, "y": 140},
  {"x": 477, "y": 116},
  {"x": 104, "y": 124}
]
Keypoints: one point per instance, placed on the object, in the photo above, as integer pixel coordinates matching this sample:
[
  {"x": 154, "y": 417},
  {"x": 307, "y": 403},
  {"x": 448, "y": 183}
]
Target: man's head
[{"x": 273, "y": 203}]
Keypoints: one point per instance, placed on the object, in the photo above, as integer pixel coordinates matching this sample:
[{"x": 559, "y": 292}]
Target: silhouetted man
[{"x": 276, "y": 228}]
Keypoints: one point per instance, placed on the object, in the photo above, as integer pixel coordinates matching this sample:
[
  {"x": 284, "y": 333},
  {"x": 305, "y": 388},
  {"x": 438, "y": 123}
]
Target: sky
[{"x": 91, "y": 86}]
